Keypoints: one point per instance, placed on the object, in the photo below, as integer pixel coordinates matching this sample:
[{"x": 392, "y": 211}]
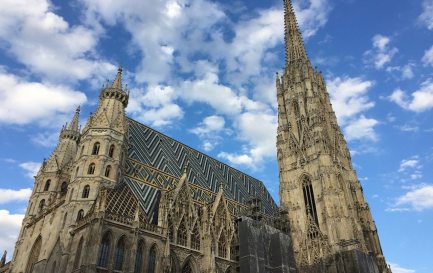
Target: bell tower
[{"x": 318, "y": 185}]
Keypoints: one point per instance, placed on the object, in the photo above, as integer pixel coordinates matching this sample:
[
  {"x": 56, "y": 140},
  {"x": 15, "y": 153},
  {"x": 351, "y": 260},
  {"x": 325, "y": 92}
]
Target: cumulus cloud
[
  {"x": 11, "y": 224},
  {"x": 420, "y": 100},
  {"x": 41, "y": 40},
  {"x": 23, "y": 102},
  {"x": 419, "y": 198},
  {"x": 208, "y": 130},
  {"x": 155, "y": 106},
  {"x": 31, "y": 168},
  {"x": 427, "y": 59},
  {"x": 350, "y": 100},
  {"x": 381, "y": 53},
  {"x": 408, "y": 163},
  {"x": 411, "y": 167},
  {"x": 426, "y": 17},
  {"x": 9, "y": 195}
]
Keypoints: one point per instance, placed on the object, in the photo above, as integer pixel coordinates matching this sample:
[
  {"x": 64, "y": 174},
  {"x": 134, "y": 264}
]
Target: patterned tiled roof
[{"x": 156, "y": 161}]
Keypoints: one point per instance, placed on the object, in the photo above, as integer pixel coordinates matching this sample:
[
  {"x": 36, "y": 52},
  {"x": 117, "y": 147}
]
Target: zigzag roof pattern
[{"x": 156, "y": 161}]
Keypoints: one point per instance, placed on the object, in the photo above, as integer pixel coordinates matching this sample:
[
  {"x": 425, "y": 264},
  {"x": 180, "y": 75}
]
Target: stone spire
[
  {"x": 295, "y": 50},
  {"x": 117, "y": 83},
  {"x": 74, "y": 123}
]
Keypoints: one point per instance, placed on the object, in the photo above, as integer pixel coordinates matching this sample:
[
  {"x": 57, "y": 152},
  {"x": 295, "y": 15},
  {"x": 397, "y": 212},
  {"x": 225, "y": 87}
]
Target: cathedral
[{"x": 119, "y": 196}]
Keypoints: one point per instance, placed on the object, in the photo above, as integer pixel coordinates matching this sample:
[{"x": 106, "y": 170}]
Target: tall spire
[
  {"x": 295, "y": 50},
  {"x": 117, "y": 83},
  {"x": 74, "y": 123}
]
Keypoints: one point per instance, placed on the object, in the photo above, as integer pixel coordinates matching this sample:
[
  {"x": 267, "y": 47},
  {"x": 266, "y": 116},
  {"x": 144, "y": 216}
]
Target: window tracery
[
  {"x": 120, "y": 253},
  {"x": 309, "y": 200},
  {"x": 139, "y": 257},
  {"x": 195, "y": 238},
  {"x": 222, "y": 246},
  {"x": 34, "y": 254},
  {"x": 182, "y": 234},
  {"x": 152, "y": 260},
  {"x": 104, "y": 250}
]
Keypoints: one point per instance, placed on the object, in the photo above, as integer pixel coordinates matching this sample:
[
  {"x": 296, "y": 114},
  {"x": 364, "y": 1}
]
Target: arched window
[
  {"x": 151, "y": 266},
  {"x": 310, "y": 203},
  {"x": 64, "y": 188},
  {"x": 107, "y": 171},
  {"x": 181, "y": 234},
  {"x": 80, "y": 215},
  {"x": 173, "y": 263},
  {"x": 104, "y": 250},
  {"x": 34, "y": 255},
  {"x": 95, "y": 149},
  {"x": 139, "y": 257},
  {"x": 91, "y": 169},
  {"x": 86, "y": 192},
  {"x": 47, "y": 185},
  {"x": 41, "y": 205},
  {"x": 111, "y": 151},
  {"x": 119, "y": 254},
  {"x": 222, "y": 246},
  {"x": 234, "y": 249},
  {"x": 78, "y": 254},
  {"x": 195, "y": 238},
  {"x": 187, "y": 268}
]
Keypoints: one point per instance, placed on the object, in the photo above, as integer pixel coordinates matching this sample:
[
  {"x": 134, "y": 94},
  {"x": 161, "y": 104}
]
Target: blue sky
[{"x": 203, "y": 72}]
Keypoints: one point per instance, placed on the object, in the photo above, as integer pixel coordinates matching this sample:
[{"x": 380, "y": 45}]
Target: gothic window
[
  {"x": 91, "y": 169},
  {"x": 187, "y": 268},
  {"x": 195, "y": 238},
  {"x": 95, "y": 149},
  {"x": 41, "y": 205},
  {"x": 119, "y": 254},
  {"x": 107, "y": 171},
  {"x": 104, "y": 250},
  {"x": 78, "y": 254},
  {"x": 310, "y": 204},
  {"x": 151, "y": 266},
  {"x": 139, "y": 257},
  {"x": 63, "y": 188},
  {"x": 182, "y": 234},
  {"x": 34, "y": 255},
  {"x": 47, "y": 185},
  {"x": 111, "y": 151},
  {"x": 86, "y": 192},
  {"x": 173, "y": 263},
  {"x": 222, "y": 247},
  {"x": 234, "y": 249},
  {"x": 80, "y": 215}
]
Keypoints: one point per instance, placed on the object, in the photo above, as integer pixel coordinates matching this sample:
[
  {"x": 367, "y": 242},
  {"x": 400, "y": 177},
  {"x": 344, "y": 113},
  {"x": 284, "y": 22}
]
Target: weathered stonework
[{"x": 119, "y": 196}]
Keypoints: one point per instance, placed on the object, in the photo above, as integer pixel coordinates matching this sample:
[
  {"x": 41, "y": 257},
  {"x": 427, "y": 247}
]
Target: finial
[
  {"x": 117, "y": 83},
  {"x": 78, "y": 109}
]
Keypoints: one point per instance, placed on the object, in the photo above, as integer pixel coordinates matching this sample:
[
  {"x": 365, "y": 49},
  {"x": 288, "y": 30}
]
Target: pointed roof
[
  {"x": 117, "y": 83},
  {"x": 74, "y": 123},
  {"x": 295, "y": 49}
]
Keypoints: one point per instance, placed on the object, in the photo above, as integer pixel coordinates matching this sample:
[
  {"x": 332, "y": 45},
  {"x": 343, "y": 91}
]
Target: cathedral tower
[{"x": 318, "y": 185}]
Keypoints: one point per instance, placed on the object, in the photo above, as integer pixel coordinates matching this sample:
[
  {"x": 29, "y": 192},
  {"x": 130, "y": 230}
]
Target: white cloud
[
  {"x": 420, "y": 198},
  {"x": 312, "y": 17},
  {"x": 155, "y": 106},
  {"x": 361, "y": 128},
  {"x": 427, "y": 59},
  {"x": 41, "y": 40},
  {"x": 350, "y": 100},
  {"x": 8, "y": 195},
  {"x": 46, "y": 139},
  {"x": 426, "y": 16},
  {"x": 381, "y": 54},
  {"x": 408, "y": 163},
  {"x": 398, "y": 269},
  {"x": 349, "y": 97},
  {"x": 208, "y": 130},
  {"x": 408, "y": 128},
  {"x": 23, "y": 102},
  {"x": 11, "y": 224},
  {"x": 421, "y": 100},
  {"x": 31, "y": 168}
]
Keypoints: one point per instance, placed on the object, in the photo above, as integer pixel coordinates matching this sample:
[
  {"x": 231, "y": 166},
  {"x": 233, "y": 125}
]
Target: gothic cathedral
[{"x": 119, "y": 196}]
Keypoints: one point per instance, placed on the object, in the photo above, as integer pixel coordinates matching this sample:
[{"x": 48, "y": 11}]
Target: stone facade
[{"x": 119, "y": 196}]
